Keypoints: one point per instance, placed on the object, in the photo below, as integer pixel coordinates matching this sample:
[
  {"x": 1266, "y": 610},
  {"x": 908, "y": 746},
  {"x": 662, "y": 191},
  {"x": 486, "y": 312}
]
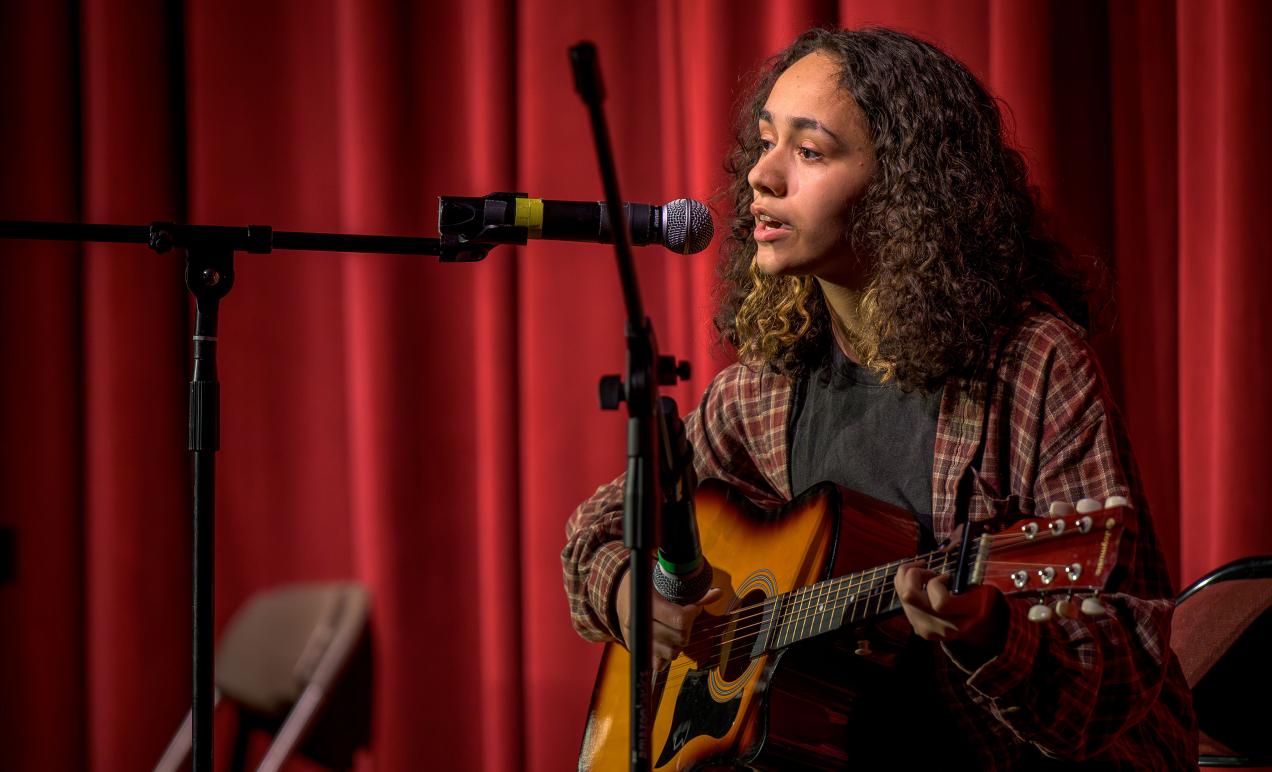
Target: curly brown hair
[{"x": 950, "y": 219}]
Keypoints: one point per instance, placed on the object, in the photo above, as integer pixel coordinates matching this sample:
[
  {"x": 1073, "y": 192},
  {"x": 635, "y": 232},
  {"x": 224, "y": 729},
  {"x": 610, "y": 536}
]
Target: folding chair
[
  {"x": 294, "y": 662},
  {"x": 1222, "y": 634}
]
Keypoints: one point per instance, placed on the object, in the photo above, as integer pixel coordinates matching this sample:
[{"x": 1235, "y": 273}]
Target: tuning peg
[
  {"x": 1086, "y": 506},
  {"x": 1116, "y": 501},
  {"x": 1092, "y": 607},
  {"x": 1066, "y": 609},
  {"x": 1039, "y": 613},
  {"x": 1060, "y": 509}
]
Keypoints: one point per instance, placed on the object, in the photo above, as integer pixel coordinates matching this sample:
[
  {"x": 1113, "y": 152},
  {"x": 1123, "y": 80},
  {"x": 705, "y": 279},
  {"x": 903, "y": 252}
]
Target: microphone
[
  {"x": 682, "y": 225},
  {"x": 681, "y": 574}
]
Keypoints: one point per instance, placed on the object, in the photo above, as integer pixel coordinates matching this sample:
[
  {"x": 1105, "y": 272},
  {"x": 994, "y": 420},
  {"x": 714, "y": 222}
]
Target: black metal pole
[
  {"x": 209, "y": 276},
  {"x": 646, "y": 437}
]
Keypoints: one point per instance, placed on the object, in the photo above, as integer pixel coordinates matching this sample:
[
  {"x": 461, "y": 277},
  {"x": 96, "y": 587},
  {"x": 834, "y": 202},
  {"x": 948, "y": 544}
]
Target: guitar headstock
[{"x": 1073, "y": 550}]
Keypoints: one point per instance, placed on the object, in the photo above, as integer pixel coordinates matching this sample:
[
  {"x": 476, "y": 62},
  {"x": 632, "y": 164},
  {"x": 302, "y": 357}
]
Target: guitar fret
[
  {"x": 858, "y": 592},
  {"x": 843, "y": 597},
  {"x": 801, "y": 629},
  {"x": 784, "y": 639},
  {"x": 862, "y": 582},
  {"x": 792, "y": 615},
  {"x": 819, "y": 610},
  {"x": 885, "y": 594},
  {"x": 878, "y": 596},
  {"x": 828, "y": 606},
  {"x": 837, "y": 600},
  {"x": 783, "y": 621},
  {"x": 792, "y": 619},
  {"x": 797, "y": 608},
  {"x": 800, "y": 617},
  {"x": 871, "y": 591},
  {"x": 772, "y": 624},
  {"x": 823, "y": 609},
  {"x": 814, "y": 603},
  {"x": 815, "y": 610},
  {"x": 809, "y": 625},
  {"x": 878, "y": 589},
  {"x": 832, "y": 603}
]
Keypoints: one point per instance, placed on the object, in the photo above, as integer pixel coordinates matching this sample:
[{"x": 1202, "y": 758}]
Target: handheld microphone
[
  {"x": 682, "y": 574},
  {"x": 682, "y": 225}
]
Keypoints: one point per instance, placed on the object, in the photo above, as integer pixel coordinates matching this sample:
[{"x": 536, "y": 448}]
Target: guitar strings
[
  {"x": 798, "y": 617},
  {"x": 936, "y": 561},
  {"x": 836, "y": 593},
  {"x": 827, "y": 599},
  {"x": 860, "y": 588},
  {"x": 852, "y": 582},
  {"x": 829, "y": 602},
  {"x": 831, "y": 596}
]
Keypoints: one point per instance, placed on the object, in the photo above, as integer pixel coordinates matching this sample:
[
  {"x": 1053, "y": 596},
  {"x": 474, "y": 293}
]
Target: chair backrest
[
  {"x": 280, "y": 659},
  {"x": 1222, "y": 635}
]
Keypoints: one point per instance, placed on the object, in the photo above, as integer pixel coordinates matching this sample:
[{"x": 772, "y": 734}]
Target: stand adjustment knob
[
  {"x": 160, "y": 236},
  {"x": 611, "y": 392},
  {"x": 671, "y": 371}
]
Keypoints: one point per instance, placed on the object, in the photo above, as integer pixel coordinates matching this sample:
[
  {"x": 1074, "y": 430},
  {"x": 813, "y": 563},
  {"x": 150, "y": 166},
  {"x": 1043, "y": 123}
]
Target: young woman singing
[{"x": 904, "y": 328}]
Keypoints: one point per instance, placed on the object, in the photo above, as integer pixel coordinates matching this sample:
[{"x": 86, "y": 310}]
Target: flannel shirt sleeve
[
  {"x": 1073, "y": 687},
  {"x": 735, "y": 433}
]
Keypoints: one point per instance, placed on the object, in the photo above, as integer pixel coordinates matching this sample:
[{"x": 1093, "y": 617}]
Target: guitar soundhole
[{"x": 742, "y": 635}]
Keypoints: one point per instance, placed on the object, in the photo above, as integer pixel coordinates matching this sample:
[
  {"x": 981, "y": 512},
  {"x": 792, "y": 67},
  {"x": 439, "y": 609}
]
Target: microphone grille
[{"x": 687, "y": 226}]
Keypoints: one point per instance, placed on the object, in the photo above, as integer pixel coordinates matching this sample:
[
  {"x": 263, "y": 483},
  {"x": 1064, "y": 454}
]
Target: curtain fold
[
  {"x": 1225, "y": 74},
  {"x": 137, "y": 558},
  {"x": 426, "y": 428},
  {"x": 42, "y": 614},
  {"x": 1145, "y": 212}
]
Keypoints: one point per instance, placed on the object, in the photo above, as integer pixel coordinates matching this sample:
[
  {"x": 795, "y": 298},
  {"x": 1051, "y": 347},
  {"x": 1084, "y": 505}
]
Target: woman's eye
[
  {"x": 765, "y": 146},
  {"x": 808, "y": 154}
]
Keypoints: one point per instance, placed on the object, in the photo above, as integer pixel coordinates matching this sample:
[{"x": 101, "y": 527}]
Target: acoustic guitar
[{"x": 734, "y": 697}]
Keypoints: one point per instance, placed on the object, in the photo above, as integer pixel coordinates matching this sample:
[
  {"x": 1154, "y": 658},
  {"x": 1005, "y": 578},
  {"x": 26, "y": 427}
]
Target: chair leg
[{"x": 242, "y": 734}]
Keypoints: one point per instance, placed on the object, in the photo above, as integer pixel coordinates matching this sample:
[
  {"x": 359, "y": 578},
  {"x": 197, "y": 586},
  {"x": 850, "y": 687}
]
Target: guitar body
[{"x": 712, "y": 703}]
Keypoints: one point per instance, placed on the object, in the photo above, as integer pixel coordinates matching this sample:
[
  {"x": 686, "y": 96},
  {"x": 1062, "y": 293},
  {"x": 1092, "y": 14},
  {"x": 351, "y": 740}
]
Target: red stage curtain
[{"x": 427, "y": 428}]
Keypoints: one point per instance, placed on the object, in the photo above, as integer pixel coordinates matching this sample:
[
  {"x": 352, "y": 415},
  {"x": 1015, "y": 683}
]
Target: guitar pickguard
[{"x": 697, "y": 713}]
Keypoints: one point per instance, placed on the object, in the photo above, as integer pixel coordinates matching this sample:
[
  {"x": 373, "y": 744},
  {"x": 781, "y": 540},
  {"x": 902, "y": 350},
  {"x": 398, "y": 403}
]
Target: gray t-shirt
[{"x": 870, "y": 437}]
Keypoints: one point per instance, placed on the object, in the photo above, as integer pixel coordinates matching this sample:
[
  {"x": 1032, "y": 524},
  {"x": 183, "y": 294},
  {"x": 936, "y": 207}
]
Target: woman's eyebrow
[{"x": 801, "y": 123}]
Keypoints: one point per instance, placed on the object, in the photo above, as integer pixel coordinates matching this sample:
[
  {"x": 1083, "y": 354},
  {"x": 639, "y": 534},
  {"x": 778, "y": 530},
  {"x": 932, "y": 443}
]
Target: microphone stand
[
  {"x": 209, "y": 276},
  {"x": 650, "y": 458}
]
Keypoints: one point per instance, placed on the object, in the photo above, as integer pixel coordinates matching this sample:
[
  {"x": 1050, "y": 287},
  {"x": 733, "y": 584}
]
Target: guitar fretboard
[{"x": 828, "y": 605}]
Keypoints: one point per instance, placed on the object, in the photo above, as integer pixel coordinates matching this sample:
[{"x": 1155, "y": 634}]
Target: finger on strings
[
  {"x": 938, "y": 590},
  {"x": 909, "y": 581}
]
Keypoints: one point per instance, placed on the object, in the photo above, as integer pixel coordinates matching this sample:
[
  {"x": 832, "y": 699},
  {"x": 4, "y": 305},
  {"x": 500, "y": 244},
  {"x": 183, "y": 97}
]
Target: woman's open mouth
[{"x": 769, "y": 228}]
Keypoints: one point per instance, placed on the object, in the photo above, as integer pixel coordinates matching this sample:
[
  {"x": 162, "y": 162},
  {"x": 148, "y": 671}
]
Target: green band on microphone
[{"x": 678, "y": 569}]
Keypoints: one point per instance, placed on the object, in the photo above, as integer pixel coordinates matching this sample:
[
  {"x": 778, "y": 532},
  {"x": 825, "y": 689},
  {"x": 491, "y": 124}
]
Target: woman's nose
[{"x": 767, "y": 176}]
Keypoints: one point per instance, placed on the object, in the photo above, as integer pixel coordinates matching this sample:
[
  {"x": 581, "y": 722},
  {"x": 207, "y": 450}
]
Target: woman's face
[{"x": 816, "y": 163}]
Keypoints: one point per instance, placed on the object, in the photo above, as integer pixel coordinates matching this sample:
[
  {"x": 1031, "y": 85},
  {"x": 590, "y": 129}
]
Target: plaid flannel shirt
[{"x": 1106, "y": 691}]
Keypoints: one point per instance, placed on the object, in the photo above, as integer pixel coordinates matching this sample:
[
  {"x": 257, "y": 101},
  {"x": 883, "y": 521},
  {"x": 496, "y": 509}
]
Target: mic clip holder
[{"x": 487, "y": 220}]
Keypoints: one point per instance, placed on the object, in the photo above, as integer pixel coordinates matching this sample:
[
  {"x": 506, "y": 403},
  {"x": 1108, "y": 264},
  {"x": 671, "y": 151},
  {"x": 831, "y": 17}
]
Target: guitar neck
[{"x": 828, "y": 605}]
